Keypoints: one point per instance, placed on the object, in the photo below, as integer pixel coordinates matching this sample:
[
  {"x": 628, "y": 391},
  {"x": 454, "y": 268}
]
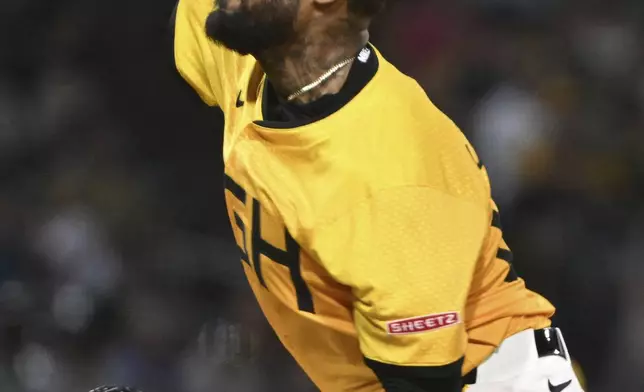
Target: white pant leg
[
  {"x": 550, "y": 372},
  {"x": 516, "y": 367}
]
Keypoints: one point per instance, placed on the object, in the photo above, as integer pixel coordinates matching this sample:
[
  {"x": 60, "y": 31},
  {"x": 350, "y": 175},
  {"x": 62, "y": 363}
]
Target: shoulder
[
  {"x": 404, "y": 140},
  {"x": 399, "y": 157},
  {"x": 399, "y": 111}
]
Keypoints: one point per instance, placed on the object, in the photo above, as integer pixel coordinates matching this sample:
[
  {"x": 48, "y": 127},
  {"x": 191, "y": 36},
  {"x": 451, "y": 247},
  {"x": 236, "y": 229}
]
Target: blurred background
[{"x": 116, "y": 261}]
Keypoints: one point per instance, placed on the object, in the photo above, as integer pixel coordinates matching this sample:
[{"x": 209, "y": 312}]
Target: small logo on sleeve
[
  {"x": 423, "y": 324},
  {"x": 364, "y": 55}
]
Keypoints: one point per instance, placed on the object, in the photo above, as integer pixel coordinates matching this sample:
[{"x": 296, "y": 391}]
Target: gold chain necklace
[{"x": 321, "y": 79}]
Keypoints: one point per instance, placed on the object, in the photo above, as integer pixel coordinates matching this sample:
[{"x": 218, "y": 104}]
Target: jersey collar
[{"x": 362, "y": 72}]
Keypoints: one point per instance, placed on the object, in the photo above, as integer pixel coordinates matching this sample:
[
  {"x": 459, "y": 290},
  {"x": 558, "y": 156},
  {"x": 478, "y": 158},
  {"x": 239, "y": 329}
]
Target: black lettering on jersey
[
  {"x": 240, "y": 194},
  {"x": 289, "y": 258},
  {"x": 244, "y": 248},
  {"x": 506, "y": 255},
  {"x": 502, "y": 254},
  {"x": 234, "y": 188},
  {"x": 496, "y": 220},
  {"x": 478, "y": 162}
]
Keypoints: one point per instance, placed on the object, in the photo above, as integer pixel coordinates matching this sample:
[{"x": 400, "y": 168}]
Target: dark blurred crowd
[{"x": 116, "y": 263}]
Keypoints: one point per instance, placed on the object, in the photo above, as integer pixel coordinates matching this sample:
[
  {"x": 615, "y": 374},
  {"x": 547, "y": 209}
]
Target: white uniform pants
[{"x": 516, "y": 367}]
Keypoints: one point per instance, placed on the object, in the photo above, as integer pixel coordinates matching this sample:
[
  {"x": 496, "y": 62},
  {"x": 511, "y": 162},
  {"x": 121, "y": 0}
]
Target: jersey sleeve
[
  {"x": 207, "y": 67},
  {"x": 408, "y": 255}
]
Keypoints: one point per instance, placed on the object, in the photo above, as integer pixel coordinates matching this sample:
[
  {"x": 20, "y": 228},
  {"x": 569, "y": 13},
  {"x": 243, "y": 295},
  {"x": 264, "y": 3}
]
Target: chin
[{"x": 234, "y": 31}]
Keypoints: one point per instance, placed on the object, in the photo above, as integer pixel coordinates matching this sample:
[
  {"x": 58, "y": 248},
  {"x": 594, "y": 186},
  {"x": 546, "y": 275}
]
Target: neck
[{"x": 293, "y": 66}]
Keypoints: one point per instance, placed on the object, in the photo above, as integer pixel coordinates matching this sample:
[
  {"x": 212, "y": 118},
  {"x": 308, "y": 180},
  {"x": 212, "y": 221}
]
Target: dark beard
[{"x": 252, "y": 31}]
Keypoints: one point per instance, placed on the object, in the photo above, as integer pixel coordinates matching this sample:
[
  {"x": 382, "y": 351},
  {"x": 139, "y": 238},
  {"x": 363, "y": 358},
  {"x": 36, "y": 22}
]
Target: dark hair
[{"x": 366, "y": 8}]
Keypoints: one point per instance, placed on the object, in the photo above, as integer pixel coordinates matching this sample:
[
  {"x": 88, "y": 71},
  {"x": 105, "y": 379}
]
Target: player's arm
[
  {"x": 205, "y": 66},
  {"x": 409, "y": 254}
]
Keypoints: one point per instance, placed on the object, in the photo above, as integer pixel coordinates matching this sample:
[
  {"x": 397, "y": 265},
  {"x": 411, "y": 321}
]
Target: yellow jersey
[{"x": 369, "y": 235}]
